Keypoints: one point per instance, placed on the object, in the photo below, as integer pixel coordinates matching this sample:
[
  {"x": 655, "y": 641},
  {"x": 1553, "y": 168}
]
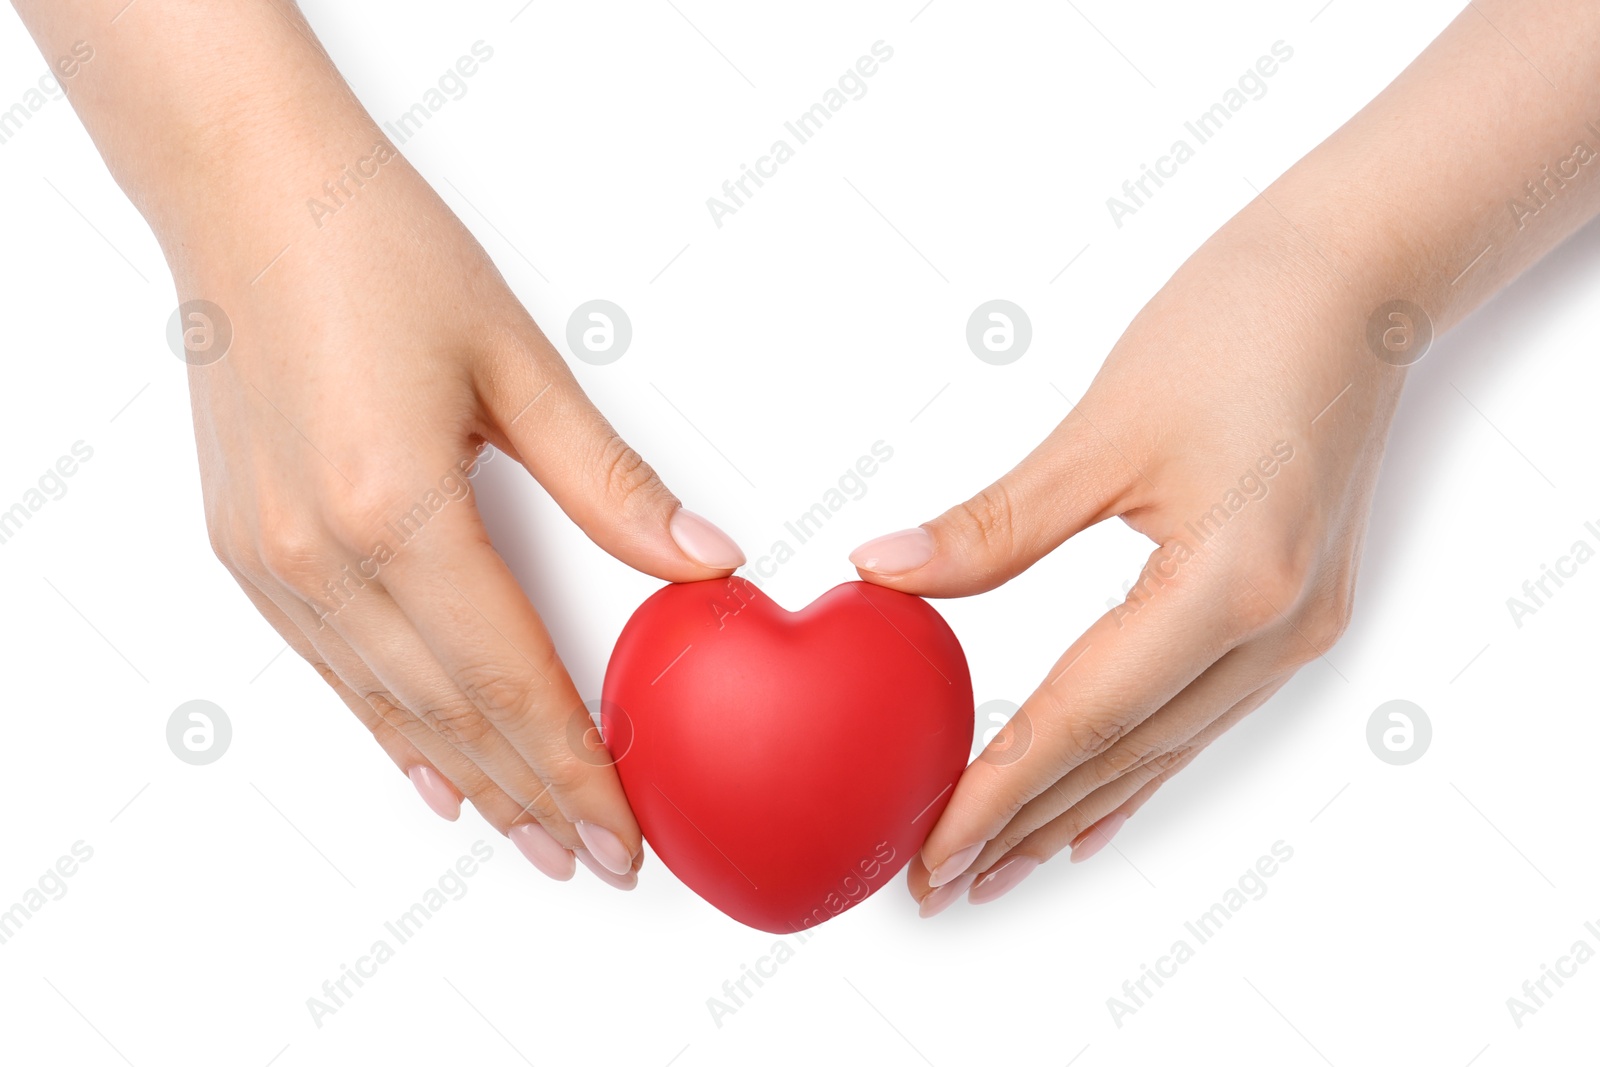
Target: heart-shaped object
[{"x": 786, "y": 765}]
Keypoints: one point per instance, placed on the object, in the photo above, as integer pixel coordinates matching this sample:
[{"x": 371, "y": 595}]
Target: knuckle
[
  {"x": 1005, "y": 809},
  {"x": 1322, "y": 627},
  {"x": 627, "y": 477},
  {"x": 1163, "y": 568},
  {"x": 544, "y": 811},
  {"x": 1268, "y": 596},
  {"x": 992, "y": 515},
  {"x": 230, "y": 538},
  {"x": 502, "y": 694},
  {"x": 1254, "y": 610},
  {"x": 1328, "y": 614},
  {"x": 291, "y": 552},
  {"x": 1126, "y": 756},
  {"x": 1090, "y": 735},
  {"x": 564, "y": 774},
  {"x": 1166, "y": 765},
  {"x": 458, "y": 723},
  {"x": 357, "y": 521},
  {"x": 545, "y": 664},
  {"x": 381, "y": 506},
  {"x": 1023, "y": 822},
  {"x": 1170, "y": 762},
  {"x": 1075, "y": 734},
  {"x": 387, "y": 711},
  {"x": 1012, "y": 836}
]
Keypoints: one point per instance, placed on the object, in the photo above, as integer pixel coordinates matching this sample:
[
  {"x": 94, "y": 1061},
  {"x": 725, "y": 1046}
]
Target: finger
[
  {"x": 1123, "y": 668},
  {"x": 442, "y": 775},
  {"x": 476, "y": 623},
  {"x": 1126, "y": 810},
  {"x": 1073, "y": 480},
  {"x": 396, "y": 682},
  {"x": 1238, "y": 674},
  {"x": 1102, "y": 809},
  {"x": 1090, "y": 826},
  {"x": 1001, "y": 877},
  {"x": 394, "y": 744},
  {"x": 1089, "y": 843},
  {"x": 380, "y": 635},
  {"x": 536, "y": 408},
  {"x": 440, "y": 772},
  {"x": 1139, "y": 799},
  {"x": 998, "y": 870},
  {"x": 930, "y": 900},
  {"x": 472, "y": 700},
  {"x": 1084, "y": 813}
]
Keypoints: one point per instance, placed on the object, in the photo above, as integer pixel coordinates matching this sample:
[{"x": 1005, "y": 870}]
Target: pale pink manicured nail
[
  {"x": 436, "y": 792},
  {"x": 606, "y": 847},
  {"x": 895, "y": 553},
  {"x": 1097, "y": 836},
  {"x": 703, "y": 542},
  {"x": 620, "y": 881},
  {"x": 542, "y": 850},
  {"x": 944, "y": 896},
  {"x": 1002, "y": 880},
  {"x": 955, "y": 864}
]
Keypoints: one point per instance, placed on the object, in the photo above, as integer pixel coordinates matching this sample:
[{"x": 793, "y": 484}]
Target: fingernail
[
  {"x": 895, "y": 553},
  {"x": 944, "y": 896},
  {"x": 436, "y": 792},
  {"x": 620, "y": 881},
  {"x": 542, "y": 850},
  {"x": 954, "y": 865},
  {"x": 1097, "y": 836},
  {"x": 703, "y": 542},
  {"x": 1002, "y": 880},
  {"x": 606, "y": 847}
]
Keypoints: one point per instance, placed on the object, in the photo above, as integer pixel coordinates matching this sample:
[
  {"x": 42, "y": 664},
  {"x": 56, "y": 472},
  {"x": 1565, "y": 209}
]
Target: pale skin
[
  {"x": 369, "y": 365},
  {"x": 367, "y": 370},
  {"x": 1247, "y": 346}
]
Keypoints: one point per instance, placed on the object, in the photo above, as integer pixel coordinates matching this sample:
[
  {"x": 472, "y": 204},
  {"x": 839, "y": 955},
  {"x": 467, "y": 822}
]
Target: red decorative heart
[{"x": 786, "y": 765}]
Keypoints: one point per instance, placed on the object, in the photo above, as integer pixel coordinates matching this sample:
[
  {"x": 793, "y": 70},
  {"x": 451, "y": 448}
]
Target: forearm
[
  {"x": 1475, "y": 162},
  {"x": 204, "y": 112}
]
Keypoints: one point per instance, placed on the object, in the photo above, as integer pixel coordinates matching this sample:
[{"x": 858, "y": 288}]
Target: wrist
[
  {"x": 220, "y": 123},
  {"x": 1264, "y": 301},
  {"x": 249, "y": 195},
  {"x": 1303, "y": 278}
]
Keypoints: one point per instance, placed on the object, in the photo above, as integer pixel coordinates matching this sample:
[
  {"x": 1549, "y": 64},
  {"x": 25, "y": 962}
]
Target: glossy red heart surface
[{"x": 785, "y": 765}]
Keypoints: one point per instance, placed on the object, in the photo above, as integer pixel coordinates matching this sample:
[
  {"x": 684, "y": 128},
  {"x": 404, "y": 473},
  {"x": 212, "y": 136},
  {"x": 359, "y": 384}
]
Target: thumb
[
  {"x": 1065, "y": 485},
  {"x": 550, "y": 426}
]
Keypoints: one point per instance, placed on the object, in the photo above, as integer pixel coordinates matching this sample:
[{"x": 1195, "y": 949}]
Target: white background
[{"x": 219, "y": 898}]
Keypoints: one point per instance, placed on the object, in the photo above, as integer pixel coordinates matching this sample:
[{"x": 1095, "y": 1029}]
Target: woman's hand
[
  {"x": 1245, "y": 443},
  {"x": 367, "y": 368},
  {"x": 355, "y": 352},
  {"x": 1239, "y": 424}
]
